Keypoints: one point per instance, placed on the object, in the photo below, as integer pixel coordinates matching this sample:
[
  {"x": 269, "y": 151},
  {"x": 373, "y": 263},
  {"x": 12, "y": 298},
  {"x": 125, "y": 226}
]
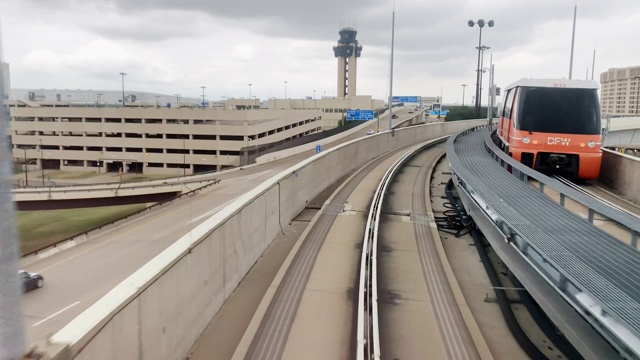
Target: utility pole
[
  {"x": 463, "y": 88},
  {"x": 573, "y": 38},
  {"x": 41, "y": 162},
  {"x": 123, "y": 74},
  {"x": 26, "y": 169},
  {"x": 393, "y": 24}
]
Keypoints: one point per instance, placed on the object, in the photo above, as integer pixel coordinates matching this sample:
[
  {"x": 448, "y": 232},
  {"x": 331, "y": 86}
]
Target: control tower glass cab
[{"x": 347, "y": 51}]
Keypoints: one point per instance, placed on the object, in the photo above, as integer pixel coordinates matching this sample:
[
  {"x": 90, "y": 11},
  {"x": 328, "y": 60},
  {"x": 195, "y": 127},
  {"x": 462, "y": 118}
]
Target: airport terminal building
[{"x": 147, "y": 140}]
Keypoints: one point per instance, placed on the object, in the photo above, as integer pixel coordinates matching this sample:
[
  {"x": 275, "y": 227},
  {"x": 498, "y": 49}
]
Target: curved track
[{"x": 419, "y": 317}]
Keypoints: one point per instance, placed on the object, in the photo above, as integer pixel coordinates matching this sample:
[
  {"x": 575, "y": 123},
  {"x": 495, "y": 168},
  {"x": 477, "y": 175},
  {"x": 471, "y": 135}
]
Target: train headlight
[
  {"x": 592, "y": 144},
  {"x": 525, "y": 140}
]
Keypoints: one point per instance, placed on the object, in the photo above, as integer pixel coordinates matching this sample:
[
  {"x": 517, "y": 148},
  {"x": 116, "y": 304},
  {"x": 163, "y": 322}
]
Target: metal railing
[{"x": 596, "y": 313}]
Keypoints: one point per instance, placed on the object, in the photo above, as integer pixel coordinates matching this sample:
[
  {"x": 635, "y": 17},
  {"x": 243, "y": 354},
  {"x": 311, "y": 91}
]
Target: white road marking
[
  {"x": 257, "y": 174},
  {"x": 211, "y": 212},
  {"x": 56, "y": 314}
]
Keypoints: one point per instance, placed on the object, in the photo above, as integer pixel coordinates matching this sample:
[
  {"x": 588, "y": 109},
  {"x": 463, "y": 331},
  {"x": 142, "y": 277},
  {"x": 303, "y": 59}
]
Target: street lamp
[
  {"x": 463, "y": 88},
  {"x": 285, "y": 89},
  {"x": 157, "y": 102},
  {"x": 41, "y": 162},
  {"x": 481, "y": 24},
  {"x": 184, "y": 158},
  {"x": 203, "y": 87},
  {"x": 482, "y": 71},
  {"x": 123, "y": 74},
  {"x": 177, "y": 101},
  {"x": 26, "y": 168},
  {"x": 99, "y": 96},
  {"x": 250, "y": 85}
]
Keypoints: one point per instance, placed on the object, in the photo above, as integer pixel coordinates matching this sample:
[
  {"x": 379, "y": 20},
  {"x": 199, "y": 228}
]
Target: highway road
[{"x": 77, "y": 277}]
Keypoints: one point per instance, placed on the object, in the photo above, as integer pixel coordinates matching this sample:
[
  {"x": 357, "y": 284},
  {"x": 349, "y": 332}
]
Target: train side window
[{"x": 508, "y": 103}]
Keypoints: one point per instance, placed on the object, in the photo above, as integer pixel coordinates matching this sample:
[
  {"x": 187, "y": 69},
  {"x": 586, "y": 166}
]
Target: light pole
[
  {"x": 41, "y": 162},
  {"x": 481, "y": 24},
  {"x": 285, "y": 89},
  {"x": 482, "y": 70},
  {"x": 463, "y": 88},
  {"x": 123, "y": 74},
  {"x": 178, "y": 101},
  {"x": 99, "y": 96},
  {"x": 26, "y": 169},
  {"x": 637, "y": 78},
  {"x": 203, "y": 87},
  {"x": 184, "y": 158},
  {"x": 157, "y": 102},
  {"x": 573, "y": 38},
  {"x": 250, "y": 85}
]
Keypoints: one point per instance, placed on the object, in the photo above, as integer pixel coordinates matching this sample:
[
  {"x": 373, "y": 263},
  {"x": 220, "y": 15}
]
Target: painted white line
[
  {"x": 257, "y": 174},
  {"x": 55, "y": 314},
  {"x": 211, "y": 212}
]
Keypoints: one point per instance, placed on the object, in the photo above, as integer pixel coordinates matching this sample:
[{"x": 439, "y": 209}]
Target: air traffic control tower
[{"x": 347, "y": 51}]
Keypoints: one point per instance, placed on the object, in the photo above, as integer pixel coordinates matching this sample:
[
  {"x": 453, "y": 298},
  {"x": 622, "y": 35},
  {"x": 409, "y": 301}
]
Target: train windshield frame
[{"x": 559, "y": 110}]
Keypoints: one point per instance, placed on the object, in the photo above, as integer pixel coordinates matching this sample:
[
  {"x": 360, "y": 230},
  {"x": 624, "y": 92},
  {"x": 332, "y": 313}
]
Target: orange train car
[{"x": 552, "y": 126}]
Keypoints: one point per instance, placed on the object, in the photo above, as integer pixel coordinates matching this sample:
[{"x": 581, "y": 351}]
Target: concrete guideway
[
  {"x": 270, "y": 338},
  {"x": 422, "y": 311},
  {"x": 235, "y": 238}
]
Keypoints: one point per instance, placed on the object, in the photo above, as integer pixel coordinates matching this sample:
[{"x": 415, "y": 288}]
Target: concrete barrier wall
[
  {"x": 622, "y": 173},
  {"x": 159, "y": 311}
]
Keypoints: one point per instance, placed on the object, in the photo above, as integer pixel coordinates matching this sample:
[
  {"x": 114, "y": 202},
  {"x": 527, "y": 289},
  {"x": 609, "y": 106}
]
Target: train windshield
[{"x": 558, "y": 110}]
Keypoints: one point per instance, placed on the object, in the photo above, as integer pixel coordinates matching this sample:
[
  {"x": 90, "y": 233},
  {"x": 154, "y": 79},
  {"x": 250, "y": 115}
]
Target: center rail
[{"x": 368, "y": 332}]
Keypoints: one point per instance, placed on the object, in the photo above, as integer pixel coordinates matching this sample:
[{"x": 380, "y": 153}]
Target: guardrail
[
  {"x": 592, "y": 311},
  {"x": 76, "y": 239},
  {"x": 524, "y": 173}
]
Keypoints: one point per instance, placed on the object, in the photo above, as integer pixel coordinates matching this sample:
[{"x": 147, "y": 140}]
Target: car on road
[
  {"x": 30, "y": 281},
  {"x": 371, "y": 132},
  {"x": 394, "y": 116}
]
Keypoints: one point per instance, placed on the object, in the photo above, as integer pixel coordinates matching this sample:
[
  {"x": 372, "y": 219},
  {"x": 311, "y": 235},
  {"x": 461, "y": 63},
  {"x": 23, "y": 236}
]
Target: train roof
[{"x": 555, "y": 83}]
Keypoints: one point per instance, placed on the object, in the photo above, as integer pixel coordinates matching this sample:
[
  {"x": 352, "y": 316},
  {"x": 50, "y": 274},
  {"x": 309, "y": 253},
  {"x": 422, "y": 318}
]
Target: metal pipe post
[{"x": 393, "y": 24}]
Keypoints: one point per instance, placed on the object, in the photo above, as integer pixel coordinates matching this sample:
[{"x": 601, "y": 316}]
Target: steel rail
[
  {"x": 577, "y": 187},
  {"x": 368, "y": 332}
]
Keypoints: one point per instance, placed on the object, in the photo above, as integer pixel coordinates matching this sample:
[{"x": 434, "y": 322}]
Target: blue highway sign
[
  {"x": 404, "y": 99},
  {"x": 359, "y": 114}
]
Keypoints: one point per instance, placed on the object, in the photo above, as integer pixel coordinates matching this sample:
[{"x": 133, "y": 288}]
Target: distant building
[
  {"x": 105, "y": 98},
  {"x": 620, "y": 91},
  {"x": 147, "y": 140}
]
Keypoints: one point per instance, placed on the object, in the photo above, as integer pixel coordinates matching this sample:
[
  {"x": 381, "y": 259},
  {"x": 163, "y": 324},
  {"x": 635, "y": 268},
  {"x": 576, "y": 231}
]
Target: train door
[{"x": 508, "y": 115}]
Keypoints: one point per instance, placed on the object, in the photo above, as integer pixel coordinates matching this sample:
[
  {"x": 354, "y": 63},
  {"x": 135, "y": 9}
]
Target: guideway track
[
  {"x": 270, "y": 339},
  {"x": 425, "y": 319}
]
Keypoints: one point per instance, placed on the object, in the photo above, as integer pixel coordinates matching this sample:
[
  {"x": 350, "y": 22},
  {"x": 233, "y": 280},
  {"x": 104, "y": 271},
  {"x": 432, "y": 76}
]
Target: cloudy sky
[{"x": 171, "y": 46}]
